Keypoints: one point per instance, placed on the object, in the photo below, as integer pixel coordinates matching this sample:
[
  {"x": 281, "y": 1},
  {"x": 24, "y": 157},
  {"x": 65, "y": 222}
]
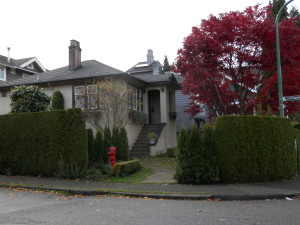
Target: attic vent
[{"x": 30, "y": 66}]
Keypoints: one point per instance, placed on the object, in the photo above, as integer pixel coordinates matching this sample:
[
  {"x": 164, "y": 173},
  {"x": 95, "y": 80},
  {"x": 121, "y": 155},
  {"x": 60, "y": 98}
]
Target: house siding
[{"x": 183, "y": 118}]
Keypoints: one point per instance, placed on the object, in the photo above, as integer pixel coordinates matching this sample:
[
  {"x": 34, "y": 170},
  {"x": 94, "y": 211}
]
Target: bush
[
  {"x": 115, "y": 141},
  {"x": 99, "y": 155},
  {"x": 57, "y": 100},
  {"x": 297, "y": 145},
  {"x": 126, "y": 168},
  {"x": 123, "y": 145},
  {"x": 185, "y": 160},
  {"x": 90, "y": 137},
  {"x": 107, "y": 142},
  {"x": 44, "y": 143},
  {"x": 28, "y": 99},
  {"x": 255, "y": 149},
  {"x": 209, "y": 156},
  {"x": 138, "y": 116},
  {"x": 171, "y": 152}
]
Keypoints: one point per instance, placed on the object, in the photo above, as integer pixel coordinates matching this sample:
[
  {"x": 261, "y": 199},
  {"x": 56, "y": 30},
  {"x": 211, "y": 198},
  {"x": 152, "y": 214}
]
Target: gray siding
[{"x": 184, "y": 118}]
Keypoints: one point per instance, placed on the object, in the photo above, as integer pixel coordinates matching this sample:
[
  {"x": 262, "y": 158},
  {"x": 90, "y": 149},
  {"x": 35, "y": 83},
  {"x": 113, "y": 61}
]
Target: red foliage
[{"x": 229, "y": 62}]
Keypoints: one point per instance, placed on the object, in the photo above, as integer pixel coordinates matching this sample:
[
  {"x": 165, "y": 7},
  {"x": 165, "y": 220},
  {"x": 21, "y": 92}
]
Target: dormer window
[
  {"x": 3, "y": 74},
  {"x": 30, "y": 66}
]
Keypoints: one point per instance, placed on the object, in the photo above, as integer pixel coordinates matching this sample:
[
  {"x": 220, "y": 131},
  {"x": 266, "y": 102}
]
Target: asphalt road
[{"x": 25, "y": 207}]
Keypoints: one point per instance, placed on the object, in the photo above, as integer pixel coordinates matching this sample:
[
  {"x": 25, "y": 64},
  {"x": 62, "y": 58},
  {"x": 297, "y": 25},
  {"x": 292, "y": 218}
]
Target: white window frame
[
  {"x": 30, "y": 66},
  {"x": 4, "y": 73},
  {"x": 79, "y": 96},
  {"x": 92, "y": 102},
  {"x": 135, "y": 98}
]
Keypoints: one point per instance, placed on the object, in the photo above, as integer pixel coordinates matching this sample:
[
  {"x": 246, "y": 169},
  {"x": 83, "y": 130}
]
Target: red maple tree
[{"x": 229, "y": 63}]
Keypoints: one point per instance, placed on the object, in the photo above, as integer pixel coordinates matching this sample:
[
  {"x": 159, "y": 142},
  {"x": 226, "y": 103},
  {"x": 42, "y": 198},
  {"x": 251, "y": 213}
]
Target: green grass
[
  {"x": 162, "y": 161},
  {"x": 133, "y": 178}
]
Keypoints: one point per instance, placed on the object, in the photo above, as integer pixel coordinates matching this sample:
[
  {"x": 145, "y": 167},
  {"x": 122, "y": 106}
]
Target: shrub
[
  {"x": 126, "y": 168},
  {"x": 138, "y": 116},
  {"x": 106, "y": 141},
  {"x": 254, "y": 149},
  {"x": 297, "y": 146},
  {"x": 184, "y": 173},
  {"x": 115, "y": 141},
  {"x": 123, "y": 145},
  {"x": 57, "y": 100},
  {"x": 171, "y": 152},
  {"x": 28, "y": 99},
  {"x": 90, "y": 137},
  {"x": 208, "y": 155},
  {"x": 43, "y": 143},
  {"x": 99, "y": 155}
]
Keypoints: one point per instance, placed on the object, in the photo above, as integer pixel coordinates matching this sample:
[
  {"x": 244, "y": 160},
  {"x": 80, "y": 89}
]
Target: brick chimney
[
  {"x": 150, "y": 57},
  {"x": 74, "y": 55}
]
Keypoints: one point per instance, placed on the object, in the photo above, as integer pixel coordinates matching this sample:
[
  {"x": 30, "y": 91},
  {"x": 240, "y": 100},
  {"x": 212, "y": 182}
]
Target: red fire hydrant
[{"x": 112, "y": 155}]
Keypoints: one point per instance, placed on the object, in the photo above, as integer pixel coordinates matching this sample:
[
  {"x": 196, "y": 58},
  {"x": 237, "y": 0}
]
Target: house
[
  {"x": 12, "y": 69},
  {"x": 150, "y": 69},
  {"x": 156, "y": 95},
  {"x": 184, "y": 118}
]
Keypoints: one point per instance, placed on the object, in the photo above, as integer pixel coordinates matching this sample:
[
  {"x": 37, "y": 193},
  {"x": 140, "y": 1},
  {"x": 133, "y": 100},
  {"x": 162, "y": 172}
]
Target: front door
[{"x": 154, "y": 106}]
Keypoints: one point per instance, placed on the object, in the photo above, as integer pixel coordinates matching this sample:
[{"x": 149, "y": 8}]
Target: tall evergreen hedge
[
  {"x": 297, "y": 144},
  {"x": 124, "y": 146},
  {"x": 107, "y": 142},
  {"x": 90, "y": 138},
  {"x": 195, "y": 156},
  {"x": 99, "y": 155},
  {"x": 57, "y": 100},
  {"x": 43, "y": 143},
  {"x": 254, "y": 149}
]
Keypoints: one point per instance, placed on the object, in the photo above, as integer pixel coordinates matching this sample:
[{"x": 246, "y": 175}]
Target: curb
[{"x": 88, "y": 192}]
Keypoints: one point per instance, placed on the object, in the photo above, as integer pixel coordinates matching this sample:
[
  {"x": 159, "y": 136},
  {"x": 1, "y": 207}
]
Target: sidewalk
[{"x": 160, "y": 185}]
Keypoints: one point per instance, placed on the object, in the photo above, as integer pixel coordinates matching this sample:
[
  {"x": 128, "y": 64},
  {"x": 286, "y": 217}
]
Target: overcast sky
[{"x": 115, "y": 32}]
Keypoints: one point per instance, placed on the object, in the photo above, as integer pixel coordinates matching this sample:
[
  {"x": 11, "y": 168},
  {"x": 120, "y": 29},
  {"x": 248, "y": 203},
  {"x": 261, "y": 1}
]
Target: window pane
[
  {"x": 91, "y": 89},
  {"x": 92, "y": 102},
  {"x": 1, "y": 74},
  {"x": 79, "y": 90},
  {"x": 79, "y": 101}
]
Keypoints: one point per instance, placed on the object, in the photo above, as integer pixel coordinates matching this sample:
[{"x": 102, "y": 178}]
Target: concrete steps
[{"x": 141, "y": 147}]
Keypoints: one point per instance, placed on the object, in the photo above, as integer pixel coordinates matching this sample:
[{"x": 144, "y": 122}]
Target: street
[{"x": 29, "y": 207}]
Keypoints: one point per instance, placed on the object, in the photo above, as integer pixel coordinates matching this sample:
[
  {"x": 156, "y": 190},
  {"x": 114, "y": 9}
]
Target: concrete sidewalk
[{"x": 167, "y": 191}]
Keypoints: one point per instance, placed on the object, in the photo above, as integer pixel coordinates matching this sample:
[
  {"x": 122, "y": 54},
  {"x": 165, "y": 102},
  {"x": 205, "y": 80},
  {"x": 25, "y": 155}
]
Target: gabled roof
[
  {"x": 158, "y": 79},
  {"x": 20, "y": 63},
  {"x": 89, "y": 69},
  {"x": 143, "y": 67}
]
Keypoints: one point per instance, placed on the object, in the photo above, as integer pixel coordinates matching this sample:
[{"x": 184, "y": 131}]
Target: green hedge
[
  {"x": 195, "y": 157},
  {"x": 171, "y": 152},
  {"x": 126, "y": 168},
  {"x": 254, "y": 149},
  {"x": 43, "y": 143},
  {"x": 297, "y": 144},
  {"x": 57, "y": 101}
]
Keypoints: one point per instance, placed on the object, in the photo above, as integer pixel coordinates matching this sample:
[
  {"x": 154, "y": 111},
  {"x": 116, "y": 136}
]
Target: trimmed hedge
[
  {"x": 99, "y": 155},
  {"x": 171, "y": 152},
  {"x": 195, "y": 157},
  {"x": 255, "y": 149},
  {"x": 126, "y": 168},
  {"x": 297, "y": 144},
  {"x": 90, "y": 138},
  {"x": 44, "y": 143},
  {"x": 57, "y": 100}
]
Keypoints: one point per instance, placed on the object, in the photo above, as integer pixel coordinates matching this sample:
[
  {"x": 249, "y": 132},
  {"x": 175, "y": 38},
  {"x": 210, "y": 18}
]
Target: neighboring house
[
  {"x": 150, "y": 69},
  {"x": 12, "y": 69},
  {"x": 186, "y": 119},
  {"x": 156, "y": 95}
]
